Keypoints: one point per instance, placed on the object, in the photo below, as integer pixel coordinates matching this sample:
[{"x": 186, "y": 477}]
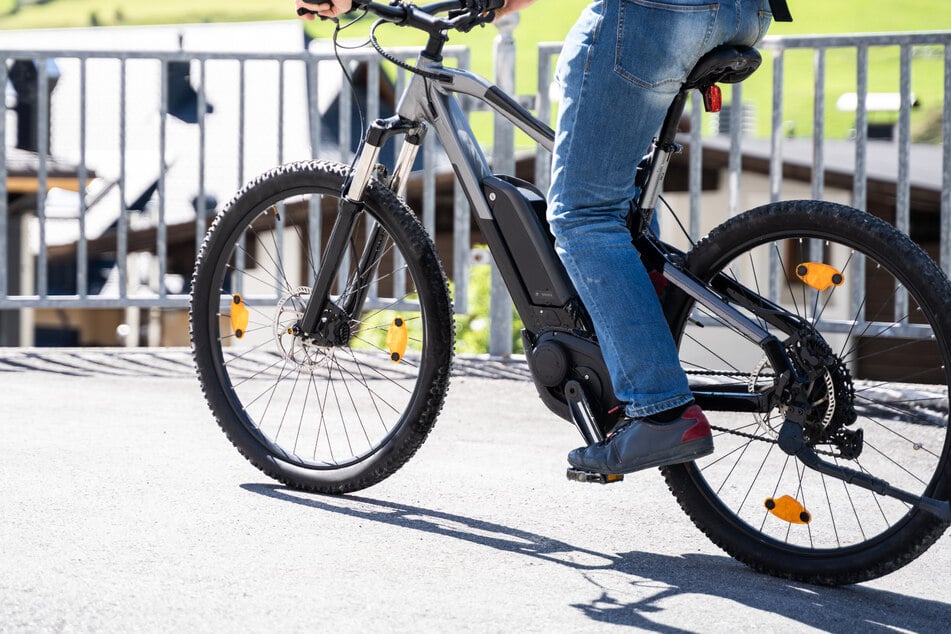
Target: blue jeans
[{"x": 621, "y": 66}]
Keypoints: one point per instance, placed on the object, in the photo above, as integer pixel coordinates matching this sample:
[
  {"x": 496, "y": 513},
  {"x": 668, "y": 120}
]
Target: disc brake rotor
[{"x": 295, "y": 349}]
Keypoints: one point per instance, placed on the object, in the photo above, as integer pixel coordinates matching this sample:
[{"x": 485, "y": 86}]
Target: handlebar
[{"x": 423, "y": 18}]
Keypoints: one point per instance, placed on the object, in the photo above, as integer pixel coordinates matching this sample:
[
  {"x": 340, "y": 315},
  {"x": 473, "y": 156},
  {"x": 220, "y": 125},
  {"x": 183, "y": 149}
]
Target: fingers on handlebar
[{"x": 322, "y": 9}]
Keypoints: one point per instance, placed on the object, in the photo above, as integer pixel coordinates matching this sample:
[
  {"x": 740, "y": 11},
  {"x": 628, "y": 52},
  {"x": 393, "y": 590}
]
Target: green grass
[
  {"x": 549, "y": 20},
  {"x": 78, "y": 13}
]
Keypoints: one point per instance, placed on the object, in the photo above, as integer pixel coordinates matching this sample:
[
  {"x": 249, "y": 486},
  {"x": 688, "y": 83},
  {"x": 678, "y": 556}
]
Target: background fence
[{"x": 114, "y": 161}]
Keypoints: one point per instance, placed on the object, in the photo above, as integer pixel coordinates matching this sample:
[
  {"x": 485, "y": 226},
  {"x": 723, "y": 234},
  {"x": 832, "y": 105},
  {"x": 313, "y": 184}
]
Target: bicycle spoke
[{"x": 886, "y": 369}]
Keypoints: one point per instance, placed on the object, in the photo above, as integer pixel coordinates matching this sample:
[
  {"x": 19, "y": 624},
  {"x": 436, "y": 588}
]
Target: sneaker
[{"x": 641, "y": 444}]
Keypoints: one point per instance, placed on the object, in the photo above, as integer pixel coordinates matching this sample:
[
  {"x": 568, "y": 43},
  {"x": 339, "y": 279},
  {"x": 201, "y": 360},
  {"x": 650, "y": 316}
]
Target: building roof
[
  {"x": 23, "y": 169},
  {"x": 926, "y": 168}
]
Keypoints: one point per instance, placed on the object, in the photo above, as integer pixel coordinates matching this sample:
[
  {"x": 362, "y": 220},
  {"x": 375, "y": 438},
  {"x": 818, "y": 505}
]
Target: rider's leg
[{"x": 621, "y": 66}]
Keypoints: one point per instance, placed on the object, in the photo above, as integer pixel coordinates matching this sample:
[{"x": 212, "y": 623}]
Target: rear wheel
[
  {"x": 879, "y": 311},
  {"x": 343, "y": 409}
]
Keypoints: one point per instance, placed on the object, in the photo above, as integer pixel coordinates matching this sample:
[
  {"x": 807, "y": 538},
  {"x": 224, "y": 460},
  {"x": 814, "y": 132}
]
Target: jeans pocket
[{"x": 659, "y": 41}]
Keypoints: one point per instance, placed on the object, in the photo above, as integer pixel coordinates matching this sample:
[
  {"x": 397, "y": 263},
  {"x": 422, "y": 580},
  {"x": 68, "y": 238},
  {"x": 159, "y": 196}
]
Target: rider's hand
[
  {"x": 326, "y": 9},
  {"x": 512, "y": 6},
  {"x": 483, "y": 6}
]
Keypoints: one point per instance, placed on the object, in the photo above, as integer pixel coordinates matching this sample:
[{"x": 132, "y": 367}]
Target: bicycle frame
[
  {"x": 510, "y": 214},
  {"x": 540, "y": 289}
]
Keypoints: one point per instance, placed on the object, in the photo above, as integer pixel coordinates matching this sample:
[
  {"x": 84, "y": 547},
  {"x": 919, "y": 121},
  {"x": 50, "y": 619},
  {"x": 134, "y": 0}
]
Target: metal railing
[
  {"x": 278, "y": 76},
  {"x": 204, "y": 163}
]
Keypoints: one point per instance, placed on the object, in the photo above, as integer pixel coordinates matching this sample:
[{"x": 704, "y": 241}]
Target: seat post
[{"x": 664, "y": 148}]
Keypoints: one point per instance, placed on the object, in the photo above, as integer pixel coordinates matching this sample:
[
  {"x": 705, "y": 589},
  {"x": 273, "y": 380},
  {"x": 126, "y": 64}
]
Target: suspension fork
[{"x": 349, "y": 211}]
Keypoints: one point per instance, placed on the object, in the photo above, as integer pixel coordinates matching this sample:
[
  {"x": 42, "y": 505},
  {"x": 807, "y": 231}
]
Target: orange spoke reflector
[
  {"x": 818, "y": 275},
  {"x": 788, "y": 509},
  {"x": 396, "y": 338},
  {"x": 239, "y": 316}
]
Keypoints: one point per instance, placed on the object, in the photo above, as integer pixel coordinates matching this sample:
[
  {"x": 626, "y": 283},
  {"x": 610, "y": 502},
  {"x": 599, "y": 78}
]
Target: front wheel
[
  {"x": 878, "y": 311},
  {"x": 342, "y": 409}
]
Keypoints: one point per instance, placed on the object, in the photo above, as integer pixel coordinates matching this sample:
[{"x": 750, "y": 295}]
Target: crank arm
[
  {"x": 581, "y": 413},
  {"x": 792, "y": 442}
]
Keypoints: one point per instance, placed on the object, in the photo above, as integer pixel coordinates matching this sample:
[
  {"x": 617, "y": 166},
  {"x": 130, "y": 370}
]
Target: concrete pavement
[{"x": 124, "y": 508}]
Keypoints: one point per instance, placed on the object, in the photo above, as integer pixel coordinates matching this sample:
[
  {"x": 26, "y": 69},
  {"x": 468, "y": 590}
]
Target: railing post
[{"x": 503, "y": 161}]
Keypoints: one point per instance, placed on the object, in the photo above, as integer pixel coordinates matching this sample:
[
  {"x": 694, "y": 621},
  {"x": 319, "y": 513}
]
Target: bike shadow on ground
[{"x": 649, "y": 578}]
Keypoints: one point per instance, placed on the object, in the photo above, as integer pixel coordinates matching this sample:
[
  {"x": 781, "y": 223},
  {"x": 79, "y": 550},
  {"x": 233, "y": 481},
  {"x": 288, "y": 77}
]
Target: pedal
[{"x": 577, "y": 475}]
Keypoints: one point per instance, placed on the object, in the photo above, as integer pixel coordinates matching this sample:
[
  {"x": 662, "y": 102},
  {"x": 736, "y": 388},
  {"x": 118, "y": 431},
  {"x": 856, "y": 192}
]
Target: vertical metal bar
[
  {"x": 814, "y": 248},
  {"x": 818, "y": 126},
  {"x": 373, "y": 91},
  {"x": 313, "y": 106},
  {"x": 122, "y": 239},
  {"x": 400, "y": 87},
  {"x": 201, "y": 211},
  {"x": 776, "y": 142},
  {"x": 503, "y": 159},
  {"x": 776, "y": 163},
  {"x": 543, "y": 156},
  {"x": 280, "y": 111},
  {"x": 373, "y": 113},
  {"x": 82, "y": 253},
  {"x": 43, "y": 149},
  {"x": 736, "y": 152},
  {"x": 239, "y": 264},
  {"x": 344, "y": 123},
  {"x": 242, "y": 114},
  {"x": 344, "y": 136},
  {"x": 461, "y": 223},
  {"x": 903, "y": 195},
  {"x": 161, "y": 235},
  {"x": 4, "y": 210},
  {"x": 696, "y": 164},
  {"x": 429, "y": 184},
  {"x": 860, "y": 182},
  {"x": 461, "y": 243},
  {"x": 860, "y": 179},
  {"x": 279, "y": 221},
  {"x": 946, "y": 161},
  {"x": 313, "y": 202}
]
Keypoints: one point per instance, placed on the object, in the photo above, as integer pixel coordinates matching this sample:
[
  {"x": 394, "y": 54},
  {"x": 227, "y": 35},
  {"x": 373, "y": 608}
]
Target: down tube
[{"x": 453, "y": 130}]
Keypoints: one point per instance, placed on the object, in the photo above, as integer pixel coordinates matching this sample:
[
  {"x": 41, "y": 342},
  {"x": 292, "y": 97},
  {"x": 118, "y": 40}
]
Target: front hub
[{"x": 333, "y": 330}]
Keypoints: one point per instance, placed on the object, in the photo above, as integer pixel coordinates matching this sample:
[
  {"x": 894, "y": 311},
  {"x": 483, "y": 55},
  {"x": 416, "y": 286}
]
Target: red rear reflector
[{"x": 712, "y": 99}]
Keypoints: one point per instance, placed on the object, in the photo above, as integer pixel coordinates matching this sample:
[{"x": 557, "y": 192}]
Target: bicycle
[{"x": 328, "y": 372}]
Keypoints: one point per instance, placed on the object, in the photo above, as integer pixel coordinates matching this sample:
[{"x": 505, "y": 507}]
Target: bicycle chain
[
  {"x": 744, "y": 434},
  {"x": 769, "y": 440}
]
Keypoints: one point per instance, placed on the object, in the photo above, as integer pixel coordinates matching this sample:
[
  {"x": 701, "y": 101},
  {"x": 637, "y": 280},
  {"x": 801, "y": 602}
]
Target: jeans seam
[{"x": 584, "y": 80}]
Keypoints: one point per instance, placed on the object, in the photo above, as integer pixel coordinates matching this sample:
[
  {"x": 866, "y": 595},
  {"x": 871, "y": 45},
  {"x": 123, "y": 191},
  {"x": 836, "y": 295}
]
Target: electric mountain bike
[{"x": 816, "y": 337}]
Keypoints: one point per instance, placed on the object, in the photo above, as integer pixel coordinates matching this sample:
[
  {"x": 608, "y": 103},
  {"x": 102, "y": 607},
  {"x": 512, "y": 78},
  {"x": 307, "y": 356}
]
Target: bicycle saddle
[{"x": 724, "y": 64}]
